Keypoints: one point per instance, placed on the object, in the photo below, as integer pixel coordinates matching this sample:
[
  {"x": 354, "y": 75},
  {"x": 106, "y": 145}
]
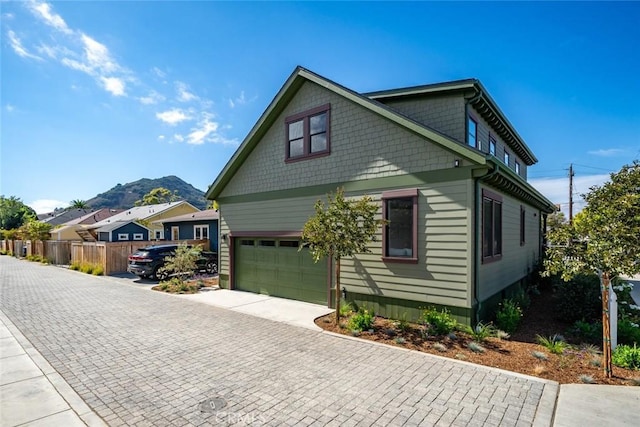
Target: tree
[
  {"x": 184, "y": 261},
  {"x": 343, "y": 229},
  {"x": 14, "y": 213},
  {"x": 78, "y": 204},
  {"x": 156, "y": 196},
  {"x": 35, "y": 230},
  {"x": 602, "y": 239}
]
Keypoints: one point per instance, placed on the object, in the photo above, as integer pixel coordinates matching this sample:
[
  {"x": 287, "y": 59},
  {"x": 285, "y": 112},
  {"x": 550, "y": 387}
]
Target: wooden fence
[{"x": 112, "y": 256}]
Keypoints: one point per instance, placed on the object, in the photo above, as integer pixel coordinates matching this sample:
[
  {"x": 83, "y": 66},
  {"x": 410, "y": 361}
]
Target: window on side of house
[
  {"x": 517, "y": 167},
  {"x": 400, "y": 233},
  {"x": 123, "y": 236},
  {"x": 201, "y": 232},
  {"x": 523, "y": 218},
  {"x": 138, "y": 236},
  {"x": 506, "y": 157},
  {"x": 159, "y": 234},
  {"x": 492, "y": 146},
  {"x": 491, "y": 226},
  {"x": 308, "y": 134},
  {"x": 472, "y": 129}
]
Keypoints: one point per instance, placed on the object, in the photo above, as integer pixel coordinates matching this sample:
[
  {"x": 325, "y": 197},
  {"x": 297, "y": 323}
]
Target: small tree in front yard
[
  {"x": 344, "y": 228},
  {"x": 184, "y": 261},
  {"x": 602, "y": 239},
  {"x": 35, "y": 230}
]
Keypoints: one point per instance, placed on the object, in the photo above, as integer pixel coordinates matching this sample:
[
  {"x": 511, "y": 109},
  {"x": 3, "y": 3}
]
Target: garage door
[{"x": 275, "y": 267}]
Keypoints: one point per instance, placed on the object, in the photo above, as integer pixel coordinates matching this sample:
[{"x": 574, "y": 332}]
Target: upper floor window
[
  {"x": 491, "y": 226},
  {"x": 400, "y": 233},
  {"x": 308, "y": 133},
  {"x": 492, "y": 146},
  {"x": 517, "y": 167},
  {"x": 472, "y": 137},
  {"x": 506, "y": 157}
]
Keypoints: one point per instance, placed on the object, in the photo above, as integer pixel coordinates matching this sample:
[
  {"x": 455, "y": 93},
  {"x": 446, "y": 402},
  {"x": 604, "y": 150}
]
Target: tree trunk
[
  {"x": 337, "y": 291},
  {"x": 606, "y": 325}
]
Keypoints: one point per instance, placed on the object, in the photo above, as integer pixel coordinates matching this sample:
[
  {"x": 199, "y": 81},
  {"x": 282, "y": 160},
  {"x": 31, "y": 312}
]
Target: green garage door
[{"x": 275, "y": 267}]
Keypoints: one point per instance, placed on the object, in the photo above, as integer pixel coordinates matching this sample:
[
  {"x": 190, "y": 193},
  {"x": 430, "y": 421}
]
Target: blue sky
[{"x": 99, "y": 93}]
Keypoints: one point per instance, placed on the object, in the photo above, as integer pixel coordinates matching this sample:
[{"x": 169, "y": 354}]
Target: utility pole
[{"x": 571, "y": 193}]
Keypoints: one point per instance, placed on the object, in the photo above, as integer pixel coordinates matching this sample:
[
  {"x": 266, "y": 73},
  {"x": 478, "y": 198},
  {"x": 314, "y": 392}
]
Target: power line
[{"x": 593, "y": 167}]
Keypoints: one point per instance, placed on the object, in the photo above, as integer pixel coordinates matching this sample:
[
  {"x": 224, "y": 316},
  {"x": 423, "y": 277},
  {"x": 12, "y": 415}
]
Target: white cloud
[
  {"x": 610, "y": 152},
  {"x": 200, "y": 133},
  {"x": 160, "y": 137},
  {"x": 151, "y": 99},
  {"x": 113, "y": 85},
  {"x": 10, "y": 108},
  {"x": 16, "y": 44},
  {"x": 173, "y": 117},
  {"x": 557, "y": 189},
  {"x": 98, "y": 56},
  {"x": 43, "y": 11},
  {"x": 183, "y": 93},
  {"x": 47, "y": 205},
  {"x": 158, "y": 72},
  {"x": 241, "y": 100},
  {"x": 178, "y": 137}
]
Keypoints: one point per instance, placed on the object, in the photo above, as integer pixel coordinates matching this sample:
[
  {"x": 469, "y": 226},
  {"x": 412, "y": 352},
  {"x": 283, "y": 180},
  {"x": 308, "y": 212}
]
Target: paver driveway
[{"x": 139, "y": 357}]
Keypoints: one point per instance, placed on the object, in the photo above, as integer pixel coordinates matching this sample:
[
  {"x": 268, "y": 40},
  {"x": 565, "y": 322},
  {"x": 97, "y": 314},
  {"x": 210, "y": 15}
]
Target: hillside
[{"x": 124, "y": 196}]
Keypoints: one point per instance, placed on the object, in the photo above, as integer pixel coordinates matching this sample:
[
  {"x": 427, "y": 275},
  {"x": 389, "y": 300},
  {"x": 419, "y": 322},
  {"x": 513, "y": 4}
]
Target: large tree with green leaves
[
  {"x": 14, "y": 213},
  {"x": 341, "y": 229},
  {"x": 157, "y": 196},
  {"x": 604, "y": 238},
  {"x": 35, "y": 230}
]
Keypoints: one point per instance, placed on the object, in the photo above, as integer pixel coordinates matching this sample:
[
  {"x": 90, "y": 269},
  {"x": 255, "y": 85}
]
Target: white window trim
[
  {"x": 158, "y": 234},
  {"x": 123, "y": 236},
  {"x": 138, "y": 236},
  {"x": 201, "y": 227}
]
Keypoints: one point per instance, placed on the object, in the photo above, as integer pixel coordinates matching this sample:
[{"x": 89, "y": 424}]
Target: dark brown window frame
[
  {"x": 495, "y": 199},
  {"x": 306, "y": 133},
  {"x": 472, "y": 119},
  {"x": 523, "y": 219},
  {"x": 401, "y": 194}
]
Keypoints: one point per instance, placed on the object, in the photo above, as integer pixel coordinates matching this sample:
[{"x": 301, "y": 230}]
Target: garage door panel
[{"x": 266, "y": 267}]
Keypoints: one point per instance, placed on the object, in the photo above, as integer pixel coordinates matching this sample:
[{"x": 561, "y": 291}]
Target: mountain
[{"x": 125, "y": 196}]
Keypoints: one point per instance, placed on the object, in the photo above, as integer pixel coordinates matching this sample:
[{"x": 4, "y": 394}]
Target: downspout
[{"x": 478, "y": 239}]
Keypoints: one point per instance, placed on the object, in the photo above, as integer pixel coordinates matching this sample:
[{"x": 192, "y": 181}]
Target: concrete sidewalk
[
  {"x": 32, "y": 393},
  {"x": 581, "y": 405}
]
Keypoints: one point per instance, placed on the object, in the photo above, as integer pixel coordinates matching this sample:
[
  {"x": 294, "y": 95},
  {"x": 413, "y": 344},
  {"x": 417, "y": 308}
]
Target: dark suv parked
[{"x": 147, "y": 262}]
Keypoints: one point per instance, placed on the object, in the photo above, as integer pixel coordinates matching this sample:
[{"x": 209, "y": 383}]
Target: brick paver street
[{"x": 139, "y": 357}]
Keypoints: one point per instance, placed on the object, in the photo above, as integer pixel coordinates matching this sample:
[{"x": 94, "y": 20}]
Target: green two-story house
[{"x": 446, "y": 168}]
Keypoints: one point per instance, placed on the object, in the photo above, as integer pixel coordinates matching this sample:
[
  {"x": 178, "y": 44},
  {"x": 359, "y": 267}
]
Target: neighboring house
[
  {"x": 193, "y": 226},
  {"x": 122, "y": 231},
  {"x": 142, "y": 214},
  {"x": 67, "y": 231},
  {"x": 446, "y": 168},
  {"x": 64, "y": 216}
]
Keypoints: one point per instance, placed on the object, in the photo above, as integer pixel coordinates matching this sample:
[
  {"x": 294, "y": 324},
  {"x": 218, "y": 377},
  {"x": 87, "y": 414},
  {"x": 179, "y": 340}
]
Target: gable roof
[
  {"x": 207, "y": 215},
  {"x": 94, "y": 216},
  {"x": 478, "y": 97},
  {"x": 57, "y": 218},
  {"x": 287, "y": 92},
  {"x": 118, "y": 224},
  {"x": 140, "y": 212}
]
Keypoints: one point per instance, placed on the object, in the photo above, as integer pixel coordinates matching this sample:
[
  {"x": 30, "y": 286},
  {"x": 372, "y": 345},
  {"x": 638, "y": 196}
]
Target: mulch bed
[{"x": 514, "y": 354}]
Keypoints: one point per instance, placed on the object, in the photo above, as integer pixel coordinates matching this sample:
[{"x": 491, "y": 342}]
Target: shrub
[
  {"x": 175, "y": 285},
  {"x": 502, "y": 335},
  {"x": 86, "y": 268},
  {"x": 480, "y": 332},
  {"x": 440, "y": 347},
  {"x": 555, "y": 344},
  {"x": 587, "y": 379},
  {"x": 508, "y": 316},
  {"x": 587, "y": 332},
  {"x": 438, "y": 322},
  {"x": 475, "y": 347},
  {"x": 346, "y": 308},
  {"x": 400, "y": 340},
  {"x": 98, "y": 270},
  {"x": 628, "y": 332},
  {"x": 402, "y": 323},
  {"x": 626, "y": 357},
  {"x": 539, "y": 355},
  {"x": 362, "y": 320},
  {"x": 75, "y": 266},
  {"x": 579, "y": 299}
]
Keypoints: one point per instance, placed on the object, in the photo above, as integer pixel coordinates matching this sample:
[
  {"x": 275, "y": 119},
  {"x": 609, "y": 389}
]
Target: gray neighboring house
[
  {"x": 193, "y": 226},
  {"x": 122, "y": 231},
  {"x": 445, "y": 166}
]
